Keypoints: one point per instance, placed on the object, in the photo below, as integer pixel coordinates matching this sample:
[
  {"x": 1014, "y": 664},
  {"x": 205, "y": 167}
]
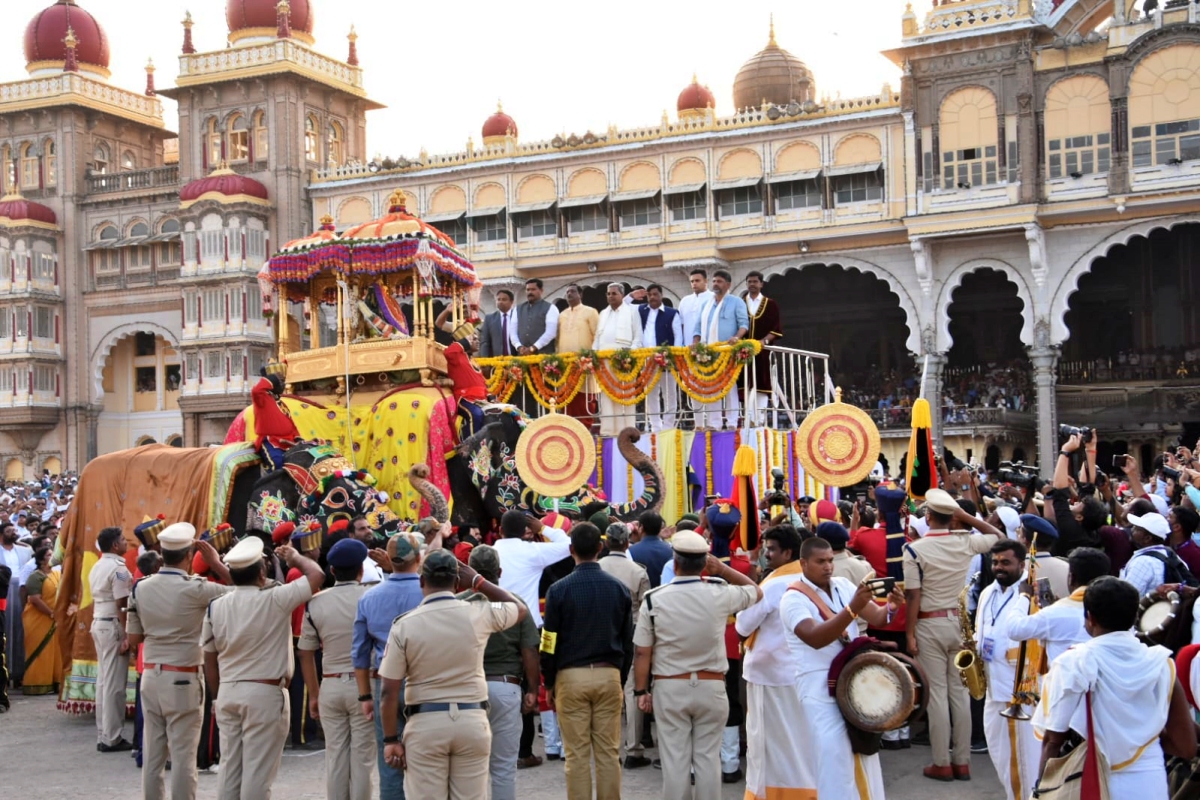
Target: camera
[
  {"x": 1173, "y": 474},
  {"x": 777, "y": 497},
  {"x": 1018, "y": 473},
  {"x": 1067, "y": 431}
]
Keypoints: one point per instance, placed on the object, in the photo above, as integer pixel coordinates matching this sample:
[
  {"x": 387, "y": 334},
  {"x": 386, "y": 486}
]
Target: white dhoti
[
  {"x": 1144, "y": 779},
  {"x": 1014, "y": 749},
  {"x": 840, "y": 773},
  {"x": 721, "y": 414},
  {"x": 615, "y": 417},
  {"x": 777, "y": 746},
  {"x": 662, "y": 403}
]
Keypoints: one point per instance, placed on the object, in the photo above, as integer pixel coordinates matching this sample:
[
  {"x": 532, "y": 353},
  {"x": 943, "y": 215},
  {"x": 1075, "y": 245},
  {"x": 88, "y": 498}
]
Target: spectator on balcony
[
  {"x": 723, "y": 320},
  {"x": 617, "y": 328},
  {"x": 661, "y": 326},
  {"x": 766, "y": 325},
  {"x": 497, "y": 327},
  {"x": 536, "y": 325},
  {"x": 577, "y": 331}
]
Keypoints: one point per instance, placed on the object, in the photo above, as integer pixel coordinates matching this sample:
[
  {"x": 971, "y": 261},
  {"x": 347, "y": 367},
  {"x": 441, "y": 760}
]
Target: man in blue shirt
[
  {"x": 651, "y": 552},
  {"x": 724, "y": 319},
  {"x": 377, "y": 609}
]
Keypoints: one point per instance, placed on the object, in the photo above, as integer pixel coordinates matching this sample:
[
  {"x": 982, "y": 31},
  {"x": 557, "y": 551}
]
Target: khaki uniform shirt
[
  {"x": 250, "y": 630},
  {"x": 684, "y": 621},
  {"x": 329, "y": 625},
  {"x": 630, "y": 573},
  {"x": 937, "y": 564},
  {"x": 168, "y": 609},
  {"x": 109, "y": 581},
  {"x": 438, "y": 647}
]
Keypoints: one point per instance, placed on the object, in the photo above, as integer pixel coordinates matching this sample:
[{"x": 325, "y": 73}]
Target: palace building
[{"x": 1025, "y": 203}]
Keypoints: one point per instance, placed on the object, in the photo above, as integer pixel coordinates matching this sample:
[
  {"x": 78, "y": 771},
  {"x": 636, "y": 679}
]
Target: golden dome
[{"x": 773, "y": 75}]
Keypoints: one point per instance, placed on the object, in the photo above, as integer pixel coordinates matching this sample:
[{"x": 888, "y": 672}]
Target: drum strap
[{"x": 822, "y": 607}]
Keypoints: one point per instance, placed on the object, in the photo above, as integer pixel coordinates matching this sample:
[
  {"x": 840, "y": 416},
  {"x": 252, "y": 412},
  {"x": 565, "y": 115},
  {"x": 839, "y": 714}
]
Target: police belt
[{"x": 424, "y": 708}]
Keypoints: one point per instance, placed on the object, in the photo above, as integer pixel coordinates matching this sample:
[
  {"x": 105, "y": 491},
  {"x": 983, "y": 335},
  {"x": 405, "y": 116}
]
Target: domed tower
[
  {"x": 695, "y": 100},
  {"x": 258, "y": 20},
  {"x": 773, "y": 75},
  {"x": 499, "y": 128},
  {"x": 46, "y": 41}
]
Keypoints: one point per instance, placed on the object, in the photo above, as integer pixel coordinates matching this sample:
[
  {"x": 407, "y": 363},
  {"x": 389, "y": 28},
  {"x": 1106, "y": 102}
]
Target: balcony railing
[
  {"x": 128, "y": 278},
  {"x": 154, "y": 178}
]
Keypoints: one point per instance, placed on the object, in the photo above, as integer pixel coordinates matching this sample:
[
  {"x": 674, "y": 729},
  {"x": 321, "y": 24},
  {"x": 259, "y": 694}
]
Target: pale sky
[{"x": 558, "y": 67}]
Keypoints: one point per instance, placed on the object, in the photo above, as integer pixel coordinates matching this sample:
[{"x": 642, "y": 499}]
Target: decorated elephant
[
  {"x": 318, "y": 483},
  {"x": 485, "y": 482}
]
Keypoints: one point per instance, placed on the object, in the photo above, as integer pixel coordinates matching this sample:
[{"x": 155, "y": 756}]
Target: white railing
[
  {"x": 954, "y": 16},
  {"x": 282, "y": 50},
  {"x": 57, "y": 87}
]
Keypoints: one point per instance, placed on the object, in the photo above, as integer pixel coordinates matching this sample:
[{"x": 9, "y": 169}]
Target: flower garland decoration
[
  {"x": 680, "y": 475},
  {"x": 628, "y": 482},
  {"x": 599, "y": 464},
  {"x": 708, "y": 469}
]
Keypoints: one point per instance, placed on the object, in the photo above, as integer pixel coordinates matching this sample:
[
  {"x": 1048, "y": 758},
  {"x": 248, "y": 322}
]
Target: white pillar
[{"x": 1045, "y": 376}]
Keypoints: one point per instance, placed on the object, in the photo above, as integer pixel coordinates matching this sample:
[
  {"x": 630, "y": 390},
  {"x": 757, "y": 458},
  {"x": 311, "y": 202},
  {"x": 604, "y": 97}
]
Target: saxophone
[{"x": 970, "y": 666}]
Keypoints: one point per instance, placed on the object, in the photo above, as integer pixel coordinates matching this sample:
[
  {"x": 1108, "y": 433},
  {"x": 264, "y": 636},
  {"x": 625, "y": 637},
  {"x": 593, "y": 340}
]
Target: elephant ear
[{"x": 305, "y": 482}]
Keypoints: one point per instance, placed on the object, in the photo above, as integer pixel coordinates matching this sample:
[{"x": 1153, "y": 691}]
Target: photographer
[{"x": 1071, "y": 532}]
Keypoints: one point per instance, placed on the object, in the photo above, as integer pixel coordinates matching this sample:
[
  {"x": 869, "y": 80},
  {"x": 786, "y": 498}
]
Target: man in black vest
[
  {"x": 661, "y": 325},
  {"x": 537, "y": 322}
]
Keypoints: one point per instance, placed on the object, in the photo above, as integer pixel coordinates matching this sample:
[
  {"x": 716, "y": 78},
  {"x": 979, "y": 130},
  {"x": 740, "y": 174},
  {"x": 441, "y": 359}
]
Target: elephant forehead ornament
[{"x": 555, "y": 455}]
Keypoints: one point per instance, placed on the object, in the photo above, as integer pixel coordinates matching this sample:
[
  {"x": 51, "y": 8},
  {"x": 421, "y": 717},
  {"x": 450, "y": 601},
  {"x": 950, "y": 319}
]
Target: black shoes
[
  {"x": 732, "y": 777},
  {"x": 636, "y": 762},
  {"x": 121, "y": 746}
]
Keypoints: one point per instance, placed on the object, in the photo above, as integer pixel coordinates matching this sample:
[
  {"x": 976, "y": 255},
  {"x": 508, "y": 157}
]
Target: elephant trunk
[
  {"x": 651, "y": 498},
  {"x": 418, "y": 477}
]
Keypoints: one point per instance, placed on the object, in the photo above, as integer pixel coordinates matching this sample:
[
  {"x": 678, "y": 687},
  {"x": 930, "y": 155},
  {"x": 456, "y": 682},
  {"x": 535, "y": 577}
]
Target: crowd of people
[
  {"x": 889, "y": 394},
  {"x": 1148, "y": 364}
]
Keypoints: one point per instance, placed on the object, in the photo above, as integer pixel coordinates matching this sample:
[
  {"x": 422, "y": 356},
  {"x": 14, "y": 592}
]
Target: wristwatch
[{"x": 640, "y": 692}]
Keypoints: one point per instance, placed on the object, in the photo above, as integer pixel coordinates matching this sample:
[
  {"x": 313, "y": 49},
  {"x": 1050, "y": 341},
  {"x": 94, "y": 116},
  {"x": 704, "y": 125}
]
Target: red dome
[
  {"x": 18, "y": 209},
  {"x": 223, "y": 182},
  {"x": 46, "y": 31},
  {"x": 499, "y": 124},
  {"x": 243, "y": 14},
  {"x": 695, "y": 98}
]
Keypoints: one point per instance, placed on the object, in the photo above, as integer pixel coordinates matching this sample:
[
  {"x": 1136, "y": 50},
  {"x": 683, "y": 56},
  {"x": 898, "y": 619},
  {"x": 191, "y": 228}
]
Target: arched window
[
  {"x": 30, "y": 174},
  {"x": 261, "y": 146},
  {"x": 106, "y": 261},
  {"x": 139, "y": 254},
  {"x": 968, "y": 138},
  {"x": 100, "y": 159},
  {"x": 128, "y": 161},
  {"x": 175, "y": 440},
  {"x": 337, "y": 144},
  {"x": 108, "y": 233},
  {"x": 312, "y": 140},
  {"x": 140, "y": 230},
  {"x": 212, "y": 144},
  {"x": 50, "y": 155},
  {"x": 9, "y": 175},
  {"x": 169, "y": 250},
  {"x": 238, "y": 139},
  {"x": 1078, "y": 127}
]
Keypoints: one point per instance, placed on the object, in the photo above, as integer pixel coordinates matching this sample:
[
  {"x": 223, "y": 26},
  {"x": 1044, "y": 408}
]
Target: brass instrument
[
  {"x": 1030, "y": 658},
  {"x": 967, "y": 661}
]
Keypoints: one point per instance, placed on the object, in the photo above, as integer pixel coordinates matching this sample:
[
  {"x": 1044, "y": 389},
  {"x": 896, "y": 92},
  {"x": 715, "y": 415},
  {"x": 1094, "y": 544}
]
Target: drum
[
  {"x": 1155, "y": 617},
  {"x": 879, "y": 691}
]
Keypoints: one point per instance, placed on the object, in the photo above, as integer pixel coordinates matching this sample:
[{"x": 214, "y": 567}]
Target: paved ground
[{"x": 50, "y": 756}]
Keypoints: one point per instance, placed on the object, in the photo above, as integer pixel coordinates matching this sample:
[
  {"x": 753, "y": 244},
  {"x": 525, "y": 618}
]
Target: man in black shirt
[{"x": 587, "y": 650}]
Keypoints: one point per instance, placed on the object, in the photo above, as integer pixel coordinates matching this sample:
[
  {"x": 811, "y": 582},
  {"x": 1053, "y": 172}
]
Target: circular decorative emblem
[
  {"x": 838, "y": 444},
  {"x": 555, "y": 455}
]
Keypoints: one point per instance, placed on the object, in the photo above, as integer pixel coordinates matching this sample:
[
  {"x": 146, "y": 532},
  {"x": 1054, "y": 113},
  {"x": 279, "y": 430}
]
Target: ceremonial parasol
[
  {"x": 838, "y": 443},
  {"x": 555, "y": 455}
]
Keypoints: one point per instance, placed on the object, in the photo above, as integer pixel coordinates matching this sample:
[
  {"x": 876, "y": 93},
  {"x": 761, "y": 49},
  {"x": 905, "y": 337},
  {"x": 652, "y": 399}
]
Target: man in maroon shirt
[{"x": 1184, "y": 522}]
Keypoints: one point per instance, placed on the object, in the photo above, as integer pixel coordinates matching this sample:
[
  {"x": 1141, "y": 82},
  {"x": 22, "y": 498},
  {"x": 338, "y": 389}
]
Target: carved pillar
[
  {"x": 93, "y": 425},
  {"x": 932, "y": 389},
  {"x": 1118, "y": 169},
  {"x": 1044, "y": 358}
]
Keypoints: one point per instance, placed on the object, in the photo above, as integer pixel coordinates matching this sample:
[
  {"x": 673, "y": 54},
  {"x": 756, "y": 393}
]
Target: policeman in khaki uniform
[
  {"x": 110, "y": 583},
  {"x": 438, "y": 647},
  {"x": 329, "y": 626},
  {"x": 247, "y": 640},
  {"x": 166, "y": 612},
  {"x": 680, "y": 640}
]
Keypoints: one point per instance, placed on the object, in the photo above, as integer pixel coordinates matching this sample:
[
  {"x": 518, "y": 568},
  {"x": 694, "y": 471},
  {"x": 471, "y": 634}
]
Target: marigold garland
[
  {"x": 599, "y": 464},
  {"x": 680, "y": 474},
  {"x": 708, "y": 468}
]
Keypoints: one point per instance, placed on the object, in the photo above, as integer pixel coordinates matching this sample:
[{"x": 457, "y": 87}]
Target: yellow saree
[{"x": 43, "y": 657}]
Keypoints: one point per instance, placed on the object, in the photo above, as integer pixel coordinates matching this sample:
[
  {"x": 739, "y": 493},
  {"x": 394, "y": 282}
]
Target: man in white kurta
[
  {"x": 828, "y": 765},
  {"x": 1060, "y": 626},
  {"x": 1131, "y": 686},
  {"x": 775, "y": 744},
  {"x": 1014, "y": 750},
  {"x": 617, "y": 328}
]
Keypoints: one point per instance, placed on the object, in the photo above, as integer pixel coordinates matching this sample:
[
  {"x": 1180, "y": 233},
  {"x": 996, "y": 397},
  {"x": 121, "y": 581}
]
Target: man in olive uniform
[
  {"x": 438, "y": 647},
  {"x": 110, "y": 583},
  {"x": 247, "y": 640},
  {"x": 329, "y": 627},
  {"x": 680, "y": 640},
  {"x": 166, "y": 612}
]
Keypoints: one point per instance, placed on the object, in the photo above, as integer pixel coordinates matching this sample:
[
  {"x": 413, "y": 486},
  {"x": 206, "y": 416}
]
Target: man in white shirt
[
  {"x": 361, "y": 529},
  {"x": 522, "y": 560},
  {"x": 775, "y": 747},
  {"x": 618, "y": 328},
  {"x": 662, "y": 326},
  {"x": 689, "y": 307},
  {"x": 1147, "y": 570},
  {"x": 1061, "y": 625}
]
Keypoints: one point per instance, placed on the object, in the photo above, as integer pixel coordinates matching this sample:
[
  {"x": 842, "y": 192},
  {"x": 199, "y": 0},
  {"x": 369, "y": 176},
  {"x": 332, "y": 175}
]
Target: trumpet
[
  {"x": 967, "y": 661},
  {"x": 1031, "y": 659}
]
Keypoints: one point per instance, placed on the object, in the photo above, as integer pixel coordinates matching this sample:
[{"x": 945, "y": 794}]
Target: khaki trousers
[
  {"x": 691, "y": 718},
  {"x": 633, "y": 721},
  {"x": 588, "y": 701},
  {"x": 172, "y": 713},
  {"x": 447, "y": 754},
  {"x": 253, "y": 719},
  {"x": 938, "y": 640},
  {"x": 349, "y": 741},
  {"x": 112, "y": 674}
]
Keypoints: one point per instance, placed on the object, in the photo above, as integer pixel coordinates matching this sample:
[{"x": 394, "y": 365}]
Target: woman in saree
[{"x": 43, "y": 658}]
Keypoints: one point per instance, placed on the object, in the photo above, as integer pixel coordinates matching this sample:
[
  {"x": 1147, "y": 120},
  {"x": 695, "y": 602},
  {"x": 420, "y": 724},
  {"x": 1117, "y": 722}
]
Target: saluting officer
[
  {"x": 438, "y": 647},
  {"x": 247, "y": 639},
  {"x": 329, "y": 626},
  {"x": 166, "y": 611},
  {"x": 680, "y": 640},
  {"x": 110, "y": 583}
]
